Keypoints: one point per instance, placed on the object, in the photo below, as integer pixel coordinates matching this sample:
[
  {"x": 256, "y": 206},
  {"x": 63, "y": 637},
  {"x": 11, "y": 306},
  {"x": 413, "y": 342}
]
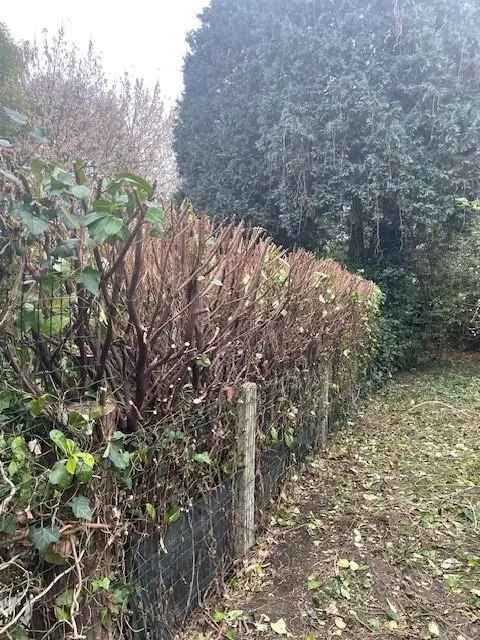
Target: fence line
[{"x": 177, "y": 571}]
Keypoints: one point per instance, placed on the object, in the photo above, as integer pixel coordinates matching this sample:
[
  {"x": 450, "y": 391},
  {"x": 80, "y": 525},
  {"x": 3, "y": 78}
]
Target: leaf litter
[{"x": 380, "y": 538}]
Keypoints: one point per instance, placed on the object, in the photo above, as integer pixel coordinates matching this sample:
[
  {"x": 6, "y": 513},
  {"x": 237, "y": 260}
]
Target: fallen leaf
[
  {"x": 392, "y": 625},
  {"x": 450, "y": 563},
  {"x": 332, "y": 609},
  {"x": 374, "y": 623},
  {"x": 340, "y": 623},
  {"x": 313, "y": 583},
  {"x": 279, "y": 627}
]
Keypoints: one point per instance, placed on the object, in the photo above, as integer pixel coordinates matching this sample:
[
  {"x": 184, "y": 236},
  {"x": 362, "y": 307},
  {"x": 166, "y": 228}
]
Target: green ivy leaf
[
  {"x": 70, "y": 220},
  {"x": 102, "y": 207},
  {"x": 59, "y": 476},
  {"x": 78, "y": 420},
  {"x": 13, "y": 467},
  {"x": 63, "y": 605},
  {"x": 86, "y": 458},
  {"x": 274, "y": 435},
  {"x": 104, "y": 227},
  {"x": 65, "y": 445},
  {"x": 62, "y": 177},
  {"x": 120, "y": 594},
  {"x": 105, "y": 617},
  {"x": 7, "y": 399},
  {"x": 90, "y": 279},
  {"x": 118, "y": 457},
  {"x": 313, "y": 583},
  {"x": 65, "y": 599},
  {"x": 37, "y": 405},
  {"x": 155, "y": 216},
  {"x": 71, "y": 465},
  {"x": 85, "y": 464},
  {"x": 289, "y": 438},
  {"x": 203, "y": 458},
  {"x": 43, "y": 537},
  {"x": 218, "y": 616},
  {"x": 61, "y": 614},
  {"x": 52, "y": 557},
  {"x": 81, "y": 508},
  {"x": 80, "y": 191},
  {"x": 150, "y": 510},
  {"x": 35, "y": 225},
  {"x": 101, "y": 583},
  {"x": 173, "y": 514},
  {"x": 18, "y": 448}
]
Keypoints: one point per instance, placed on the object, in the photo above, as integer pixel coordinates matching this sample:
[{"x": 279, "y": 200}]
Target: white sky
[{"x": 144, "y": 37}]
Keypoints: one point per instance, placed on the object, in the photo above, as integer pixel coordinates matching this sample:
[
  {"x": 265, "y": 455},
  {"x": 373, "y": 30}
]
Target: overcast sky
[{"x": 144, "y": 37}]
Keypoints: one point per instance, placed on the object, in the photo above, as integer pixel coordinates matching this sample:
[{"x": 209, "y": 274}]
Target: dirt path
[{"x": 380, "y": 539}]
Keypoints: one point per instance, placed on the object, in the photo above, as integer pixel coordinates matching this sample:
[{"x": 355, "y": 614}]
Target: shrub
[{"x": 126, "y": 329}]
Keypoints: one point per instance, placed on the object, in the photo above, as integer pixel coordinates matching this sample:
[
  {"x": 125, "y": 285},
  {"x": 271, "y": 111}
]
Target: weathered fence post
[
  {"x": 245, "y": 479},
  {"x": 325, "y": 405}
]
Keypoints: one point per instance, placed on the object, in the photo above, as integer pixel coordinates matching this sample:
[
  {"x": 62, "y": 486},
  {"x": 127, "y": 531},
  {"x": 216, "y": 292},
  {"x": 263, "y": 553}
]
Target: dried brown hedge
[{"x": 216, "y": 306}]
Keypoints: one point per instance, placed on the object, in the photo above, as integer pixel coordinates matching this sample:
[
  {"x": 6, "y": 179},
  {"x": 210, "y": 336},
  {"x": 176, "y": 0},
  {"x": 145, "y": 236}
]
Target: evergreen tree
[
  {"x": 10, "y": 69},
  {"x": 334, "y": 120}
]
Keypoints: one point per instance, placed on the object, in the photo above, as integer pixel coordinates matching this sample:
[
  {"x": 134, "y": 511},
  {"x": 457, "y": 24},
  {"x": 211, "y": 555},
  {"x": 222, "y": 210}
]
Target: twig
[
  {"x": 443, "y": 404},
  {"x": 27, "y": 384},
  {"x": 31, "y": 602},
  {"x": 76, "y": 592},
  {"x": 126, "y": 247},
  {"x": 13, "y": 489},
  {"x": 11, "y": 298},
  {"x": 6, "y": 564}
]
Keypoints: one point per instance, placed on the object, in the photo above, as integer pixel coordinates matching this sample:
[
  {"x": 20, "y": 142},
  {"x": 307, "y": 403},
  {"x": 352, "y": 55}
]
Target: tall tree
[
  {"x": 122, "y": 125},
  {"x": 10, "y": 76},
  {"x": 10, "y": 68},
  {"x": 328, "y": 120}
]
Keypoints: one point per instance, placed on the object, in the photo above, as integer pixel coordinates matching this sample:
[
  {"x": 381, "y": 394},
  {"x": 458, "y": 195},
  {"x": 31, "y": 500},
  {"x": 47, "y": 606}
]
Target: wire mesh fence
[{"x": 174, "y": 572}]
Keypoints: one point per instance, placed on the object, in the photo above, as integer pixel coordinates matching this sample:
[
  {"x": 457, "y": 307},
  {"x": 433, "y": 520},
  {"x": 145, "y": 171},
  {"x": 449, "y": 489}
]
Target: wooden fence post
[
  {"x": 245, "y": 479},
  {"x": 325, "y": 411}
]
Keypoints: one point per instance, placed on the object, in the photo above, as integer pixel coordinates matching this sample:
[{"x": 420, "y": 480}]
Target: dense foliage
[
  {"x": 338, "y": 125},
  {"x": 11, "y": 69}
]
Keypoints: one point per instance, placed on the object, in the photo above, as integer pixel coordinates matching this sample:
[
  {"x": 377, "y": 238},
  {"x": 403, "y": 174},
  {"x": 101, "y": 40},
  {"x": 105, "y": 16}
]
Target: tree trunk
[{"x": 356, "y": 249}]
